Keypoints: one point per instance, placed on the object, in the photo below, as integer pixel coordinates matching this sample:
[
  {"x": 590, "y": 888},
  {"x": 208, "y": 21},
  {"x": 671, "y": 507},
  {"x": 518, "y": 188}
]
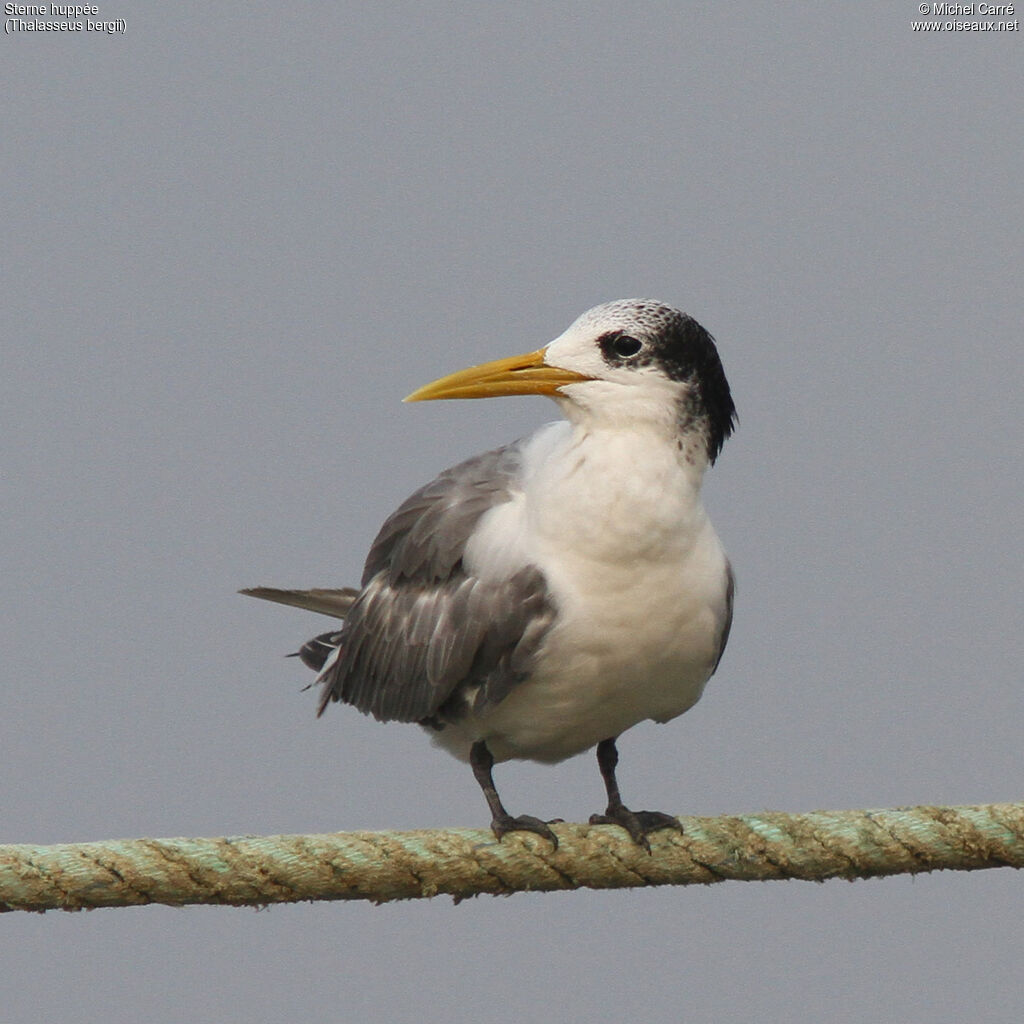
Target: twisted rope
[{"x": 384, "y": 866}]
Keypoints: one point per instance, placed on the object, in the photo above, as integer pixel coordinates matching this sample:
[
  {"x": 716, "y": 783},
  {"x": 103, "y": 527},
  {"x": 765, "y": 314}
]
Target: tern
[{"x": 540, "y": 599}]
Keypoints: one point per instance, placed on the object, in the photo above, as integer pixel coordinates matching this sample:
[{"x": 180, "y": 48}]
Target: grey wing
[
  {"x": 730, "y": 594},
  {"x": 425, "y": 537},
  {"x": 425, "y": 639}
]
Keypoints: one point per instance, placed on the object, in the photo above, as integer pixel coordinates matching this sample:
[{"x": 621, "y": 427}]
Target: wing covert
[{"x": 425, "y": 639}]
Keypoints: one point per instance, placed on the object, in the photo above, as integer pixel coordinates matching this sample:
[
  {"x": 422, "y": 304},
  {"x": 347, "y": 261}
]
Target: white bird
[{"x": 541, "y": 599}]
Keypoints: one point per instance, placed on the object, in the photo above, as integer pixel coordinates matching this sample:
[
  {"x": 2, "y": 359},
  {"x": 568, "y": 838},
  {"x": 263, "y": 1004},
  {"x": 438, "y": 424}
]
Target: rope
[{"x": 384, "y": 866}]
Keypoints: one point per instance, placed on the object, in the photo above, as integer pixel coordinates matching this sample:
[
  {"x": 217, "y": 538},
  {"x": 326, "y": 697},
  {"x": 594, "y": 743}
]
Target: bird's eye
[{"x": 626, "y": 346}]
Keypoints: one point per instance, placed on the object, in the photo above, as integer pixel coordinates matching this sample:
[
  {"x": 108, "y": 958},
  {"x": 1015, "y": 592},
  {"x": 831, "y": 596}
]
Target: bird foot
[
  {"x": 524, "y": 823},
  {"x": 637, "y": 823}
]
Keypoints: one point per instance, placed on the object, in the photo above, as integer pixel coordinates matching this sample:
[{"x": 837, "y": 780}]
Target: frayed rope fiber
[{"x": 385, "y": 866}]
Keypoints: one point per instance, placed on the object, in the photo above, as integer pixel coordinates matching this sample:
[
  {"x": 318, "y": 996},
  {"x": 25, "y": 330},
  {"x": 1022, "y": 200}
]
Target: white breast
[{"x": 637, "y": 574}]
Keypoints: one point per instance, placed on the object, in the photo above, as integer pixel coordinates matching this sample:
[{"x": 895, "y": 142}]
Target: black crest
[{"x": 686, "y": 351}]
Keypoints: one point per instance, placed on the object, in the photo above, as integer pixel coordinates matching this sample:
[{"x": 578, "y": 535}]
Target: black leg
[
  {"x": 637, "y": 823},
  {"x": 482, "y": 761}
]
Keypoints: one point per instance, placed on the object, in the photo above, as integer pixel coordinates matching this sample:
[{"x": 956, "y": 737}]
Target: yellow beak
[{"x": 519, "y": 375}]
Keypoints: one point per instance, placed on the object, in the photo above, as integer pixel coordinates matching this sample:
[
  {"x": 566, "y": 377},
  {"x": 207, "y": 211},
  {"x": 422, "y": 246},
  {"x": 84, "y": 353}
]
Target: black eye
[{"x": 626, "y": 346}]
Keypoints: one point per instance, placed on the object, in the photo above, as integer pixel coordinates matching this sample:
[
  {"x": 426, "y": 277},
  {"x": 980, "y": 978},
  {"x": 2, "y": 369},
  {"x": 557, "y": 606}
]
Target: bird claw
[
  {"x": 637, "y": 823},
  {"x": 524, "y": 823}
]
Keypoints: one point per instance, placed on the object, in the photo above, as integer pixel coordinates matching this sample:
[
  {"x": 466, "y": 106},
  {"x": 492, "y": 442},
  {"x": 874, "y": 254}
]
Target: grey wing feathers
[
  {"x": 424, "y": 639},
  {"x": 409, "y": 652},
  {"x": 425, "y": 537}
]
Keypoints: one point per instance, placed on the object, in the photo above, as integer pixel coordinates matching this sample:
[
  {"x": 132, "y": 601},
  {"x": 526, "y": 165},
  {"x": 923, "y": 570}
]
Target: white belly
[{"x": 639, "y": 580}]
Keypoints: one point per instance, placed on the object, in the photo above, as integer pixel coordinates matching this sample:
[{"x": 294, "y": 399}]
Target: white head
[
  {"x": 644, "y": 361},
  {"x": 626, "y": 362}
]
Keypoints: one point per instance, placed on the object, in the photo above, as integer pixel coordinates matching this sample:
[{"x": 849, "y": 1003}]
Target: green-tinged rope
[{"x": 384, "y": 866}]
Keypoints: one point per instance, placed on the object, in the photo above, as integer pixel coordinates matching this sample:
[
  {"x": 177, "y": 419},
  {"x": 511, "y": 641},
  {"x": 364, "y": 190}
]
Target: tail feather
[
  {"x": 335, "y": 602},
  {"x": 322, "y": 652},
  {"x": 317, "y": 653}
]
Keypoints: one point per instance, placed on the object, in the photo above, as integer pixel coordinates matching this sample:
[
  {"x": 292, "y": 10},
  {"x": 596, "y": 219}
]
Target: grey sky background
[{"x": 236, "y": 236}]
